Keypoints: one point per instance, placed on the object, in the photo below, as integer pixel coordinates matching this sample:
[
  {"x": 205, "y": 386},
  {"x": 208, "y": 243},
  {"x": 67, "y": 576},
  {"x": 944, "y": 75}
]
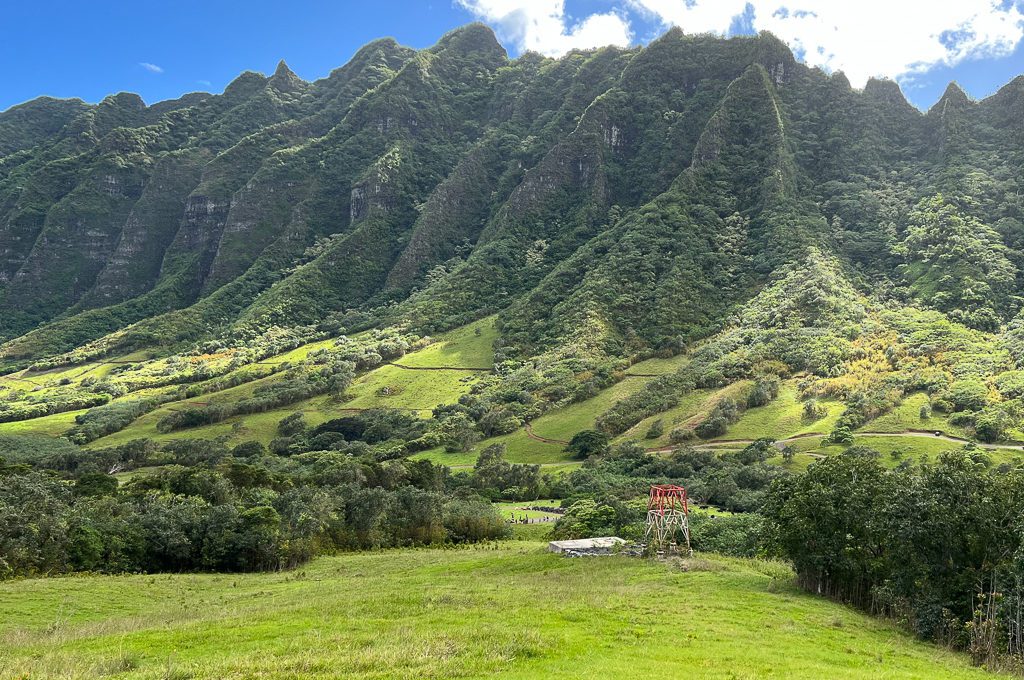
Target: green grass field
[
  {"x": 384, "y": 387},
  {"x": 462, "y": 347},
  {"x": 684, "y": 414},
  {"x": 560, "y": 424},
  {"x": 508, "y": 611},
  {"x": 907, "y": 416},
  {"x": 783, "y": 417},
  {"x": 53, "y": 426}
]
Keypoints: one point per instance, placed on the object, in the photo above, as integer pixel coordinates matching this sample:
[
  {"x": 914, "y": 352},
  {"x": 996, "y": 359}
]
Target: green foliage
[
  {"x": 957, "y": 264},
  {"x": 493, "y": 475},
  {"x": 736, "y": 482},
  {"x": 892, "y": 541},
  {"x": 219, "y": 513},
  {"x": 587, "y": 518},
  {"x": 586, "y": 443},
  {"x": 736, "y": 535}
]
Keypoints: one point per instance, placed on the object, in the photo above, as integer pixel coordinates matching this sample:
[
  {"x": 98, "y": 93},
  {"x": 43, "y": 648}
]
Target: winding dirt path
[
  {"x": 564, "y": 463},
  {"x": 536, "y": 437},
  {"x": 470, "y": 369},
  {"x": 781, "y": 443},
  {"x": 942, "y": 437}
]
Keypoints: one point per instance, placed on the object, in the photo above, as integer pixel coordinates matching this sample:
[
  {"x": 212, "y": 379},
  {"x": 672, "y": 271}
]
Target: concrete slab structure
[{"x": 594, "y": 546}]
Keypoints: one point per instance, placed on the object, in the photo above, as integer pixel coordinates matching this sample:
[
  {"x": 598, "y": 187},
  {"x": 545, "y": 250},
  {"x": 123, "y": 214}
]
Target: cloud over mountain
[
  {"x": 869, "y": 38},
  {"x": 543, "y": 25}
]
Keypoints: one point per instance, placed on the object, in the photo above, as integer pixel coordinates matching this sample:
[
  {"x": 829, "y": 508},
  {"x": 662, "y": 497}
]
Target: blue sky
[{"x": 161, "y": 49}]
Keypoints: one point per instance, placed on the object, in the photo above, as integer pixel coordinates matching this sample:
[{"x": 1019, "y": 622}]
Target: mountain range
[{"x": 698, "y": 195}]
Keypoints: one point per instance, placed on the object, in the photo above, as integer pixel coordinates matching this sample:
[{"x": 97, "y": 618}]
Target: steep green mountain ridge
[{"x": 698, "y": 196}]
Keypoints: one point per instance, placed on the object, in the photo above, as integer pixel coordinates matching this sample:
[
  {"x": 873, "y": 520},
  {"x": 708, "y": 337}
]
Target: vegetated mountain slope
[
  {"x": 159, "y": 253},
  {"x": 697, "y": 194},
  {"x": 513, "y": 612}
]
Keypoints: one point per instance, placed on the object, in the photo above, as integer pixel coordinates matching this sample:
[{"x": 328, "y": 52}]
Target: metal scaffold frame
[{"x": 668, "y": 519}]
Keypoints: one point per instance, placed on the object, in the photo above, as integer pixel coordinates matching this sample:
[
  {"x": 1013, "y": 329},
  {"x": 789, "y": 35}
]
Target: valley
[{"x": 281, "y": 365}]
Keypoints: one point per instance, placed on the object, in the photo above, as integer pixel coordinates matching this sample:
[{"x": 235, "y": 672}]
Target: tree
[
  {"x": 96, "y": 484},
  {"x": 471, "y": 520},
  {"x": 292, "y": 425},
  {"x": 822, "y": 521},
  {"x": 249, "y": 449},
  {"x": 458, "y": 432},
  {"x": 586, "y": 443},
  {"x": 957, "y": 264},
  {"x": 991, "y": 425},
  {"x": 498, "y": 478}
]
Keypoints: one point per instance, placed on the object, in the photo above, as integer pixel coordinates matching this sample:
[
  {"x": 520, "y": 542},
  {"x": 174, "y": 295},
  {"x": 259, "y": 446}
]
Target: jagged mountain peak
[
  {"x": 1007, "y": 104},
  {"x": 245, "y": 85},
  {"x": 429, "y": 187},
  {"x": 732, "y": 123},
  {"x": 953, "y": 98},
  {"x": 1012, "y": 91},
  {"x": 839, "y": 80},
  {"x": 285, "y": 80},
  {"x": 887, "y": 92},
  {"x": 282, "y": 70},
  {"x": 473, "y": 38},
  {"x": 773, "y": 52},
  {"x": 124, "y": 100}
]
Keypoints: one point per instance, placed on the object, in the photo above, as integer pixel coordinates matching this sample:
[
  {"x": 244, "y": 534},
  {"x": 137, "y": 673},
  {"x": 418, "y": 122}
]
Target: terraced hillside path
[
  {"x": 547, "y": 440},
  {"x": 942, "y": 437},
  {"x": 781, "y": 443},
  {"x": 778, "y": 443},
  {"x": 471, "y": 369}
]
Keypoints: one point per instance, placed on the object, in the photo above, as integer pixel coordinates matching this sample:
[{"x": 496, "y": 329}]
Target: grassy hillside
[
  {"x": 448, "y": 368},
  {"x": 560, "y": 424},
  {"x": 512, "y": 611},
  {"x": 436, "y": 374}
]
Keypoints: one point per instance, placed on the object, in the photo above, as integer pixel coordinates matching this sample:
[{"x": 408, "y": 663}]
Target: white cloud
[
  {"x": 542, "y": 25},
  {"x": 204, "y": 83},
  {"x": 891, "y": 38},
  {"x": 152, "y": 68}
]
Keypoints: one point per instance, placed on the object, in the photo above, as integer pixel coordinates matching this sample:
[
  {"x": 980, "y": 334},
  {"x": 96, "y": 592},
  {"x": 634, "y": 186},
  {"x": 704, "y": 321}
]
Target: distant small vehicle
[{"x": 938, "y": 433}]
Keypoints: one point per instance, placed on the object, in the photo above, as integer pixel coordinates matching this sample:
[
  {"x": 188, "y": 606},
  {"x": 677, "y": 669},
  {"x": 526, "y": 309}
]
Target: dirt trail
[
  {"x": 781, "y": 443},
  {"x": 547, "y": 440},
  {"x": 471, "y": 369},
  {"x": 942, "y": 437},
  {"x": 564, "y": 463},
  {"x": 778, "y": 444}
]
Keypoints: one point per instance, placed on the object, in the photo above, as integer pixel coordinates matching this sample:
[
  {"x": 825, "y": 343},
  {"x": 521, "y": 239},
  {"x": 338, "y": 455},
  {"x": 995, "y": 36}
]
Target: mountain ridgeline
[
  {"x": 241, "y": 330},
  {"x": 606, "y": 205}
]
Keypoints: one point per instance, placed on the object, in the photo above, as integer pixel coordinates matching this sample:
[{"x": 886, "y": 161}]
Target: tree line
[{"x": 938, "y": 546}]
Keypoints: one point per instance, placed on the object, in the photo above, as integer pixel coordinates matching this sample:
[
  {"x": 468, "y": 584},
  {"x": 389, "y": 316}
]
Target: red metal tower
[{"x": 668, "y": 518}]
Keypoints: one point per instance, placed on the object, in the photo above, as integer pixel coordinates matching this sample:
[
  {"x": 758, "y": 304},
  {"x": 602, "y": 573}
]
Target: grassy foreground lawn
[{"x": 511, "y": 611}]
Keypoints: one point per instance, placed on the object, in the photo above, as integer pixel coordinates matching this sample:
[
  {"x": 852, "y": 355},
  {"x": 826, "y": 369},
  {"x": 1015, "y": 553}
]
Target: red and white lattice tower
[{"x": 668, "y": 525}]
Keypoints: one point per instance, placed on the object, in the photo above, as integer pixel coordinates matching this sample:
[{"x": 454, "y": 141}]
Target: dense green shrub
[
  {"x": 586, "y": 443},
  {"x": 890, "y": 540},
  {"x": 737, "y": 535}
]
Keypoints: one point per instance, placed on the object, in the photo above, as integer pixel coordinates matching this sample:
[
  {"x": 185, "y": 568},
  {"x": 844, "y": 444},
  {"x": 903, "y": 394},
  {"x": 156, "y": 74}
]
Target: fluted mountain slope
[{"x": 605, "y": 205}]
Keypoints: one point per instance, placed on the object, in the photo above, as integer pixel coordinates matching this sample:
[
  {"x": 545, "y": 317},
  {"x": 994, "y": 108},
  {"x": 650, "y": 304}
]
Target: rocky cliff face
[{"x": 639, "y": 194}]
